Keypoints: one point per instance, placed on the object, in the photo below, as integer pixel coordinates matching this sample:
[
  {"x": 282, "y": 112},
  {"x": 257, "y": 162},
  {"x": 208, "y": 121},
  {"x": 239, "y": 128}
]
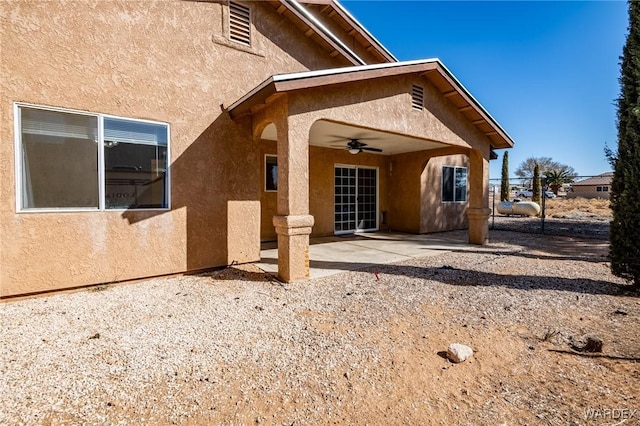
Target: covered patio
[
  {"x": 336, "y": 254},
  {"x": 416, "y": 120}
]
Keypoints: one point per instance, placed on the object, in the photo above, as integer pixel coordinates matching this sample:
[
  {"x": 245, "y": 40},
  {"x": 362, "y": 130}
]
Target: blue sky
[{"x": 547, "y": 71}]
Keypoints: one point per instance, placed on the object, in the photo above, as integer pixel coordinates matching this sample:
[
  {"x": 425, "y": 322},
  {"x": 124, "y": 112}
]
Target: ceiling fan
[{"x": 355, "y": 147}]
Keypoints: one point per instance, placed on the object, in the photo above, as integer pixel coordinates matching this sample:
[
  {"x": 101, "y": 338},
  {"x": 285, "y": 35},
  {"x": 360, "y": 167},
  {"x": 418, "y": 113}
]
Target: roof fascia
[
  {"x": 447, "y": 74},
  {"x": 346, "y": 70},
  {"x": 303, "y": 14},
  {"x": 284, "y": 82},
  {"x": 367, "y": 35},
  {"x": 297, "y": 81}
]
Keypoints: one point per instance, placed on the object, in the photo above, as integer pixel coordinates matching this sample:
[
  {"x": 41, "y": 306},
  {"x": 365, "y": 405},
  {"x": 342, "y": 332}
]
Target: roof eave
[
  {"x": 310, "y": 79},
  {"x": 363, "y": 30}
]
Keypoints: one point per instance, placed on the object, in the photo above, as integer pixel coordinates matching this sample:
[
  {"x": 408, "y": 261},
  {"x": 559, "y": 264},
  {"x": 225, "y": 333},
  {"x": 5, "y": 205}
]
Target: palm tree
[{"x": 556, "y": 178}]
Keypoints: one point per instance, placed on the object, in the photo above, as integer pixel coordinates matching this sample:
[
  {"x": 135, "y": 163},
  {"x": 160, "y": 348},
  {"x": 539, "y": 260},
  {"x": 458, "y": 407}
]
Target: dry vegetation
[{"x": 574, "y": 208}]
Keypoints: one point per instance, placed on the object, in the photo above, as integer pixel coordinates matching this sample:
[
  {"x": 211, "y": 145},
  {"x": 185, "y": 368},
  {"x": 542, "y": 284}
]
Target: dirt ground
[{"x": 365, "y": 347}]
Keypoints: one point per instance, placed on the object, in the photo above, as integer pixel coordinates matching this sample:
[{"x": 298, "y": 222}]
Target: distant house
[{"x": 593, "y": 187}]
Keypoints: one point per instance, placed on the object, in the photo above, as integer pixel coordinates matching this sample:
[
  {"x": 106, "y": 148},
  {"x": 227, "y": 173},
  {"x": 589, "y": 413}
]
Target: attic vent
[
  {"x": 417, "y": 98},
  {"x": 239, "y": 23}
]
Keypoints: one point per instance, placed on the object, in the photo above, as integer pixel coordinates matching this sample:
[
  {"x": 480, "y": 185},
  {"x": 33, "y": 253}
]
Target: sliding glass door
[{"x": 355, "y": 199}]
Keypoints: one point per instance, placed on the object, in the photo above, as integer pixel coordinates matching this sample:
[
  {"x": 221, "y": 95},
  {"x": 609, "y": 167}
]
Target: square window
[
  {"x": 135, "y": 158},
  {"x": 454, "y": 184},
  {"x": 67, "y": 164},
  {"x": 59, "y": 153}
]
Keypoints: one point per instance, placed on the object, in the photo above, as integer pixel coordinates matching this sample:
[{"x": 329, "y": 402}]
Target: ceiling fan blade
[
  {"x": 364, "y": 148},
  {"x": 350, "y": 138}
]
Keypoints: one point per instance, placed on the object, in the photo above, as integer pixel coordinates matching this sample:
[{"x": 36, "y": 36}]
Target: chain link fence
[{"x": 577, "y": 210}]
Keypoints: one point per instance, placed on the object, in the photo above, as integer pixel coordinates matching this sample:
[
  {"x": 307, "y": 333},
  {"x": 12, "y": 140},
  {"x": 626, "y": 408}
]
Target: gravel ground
[
  {"x": 579, "y": 225},
  {"x": 364, "y": 347}
]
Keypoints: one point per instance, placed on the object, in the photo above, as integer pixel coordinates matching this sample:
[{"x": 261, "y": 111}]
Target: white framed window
[
  {"x": 76, "y": 160},
  {"x": 270, "y": 173},
  {"x": 239, "y": 23},
  {"x": 454, "y": 184},
  {"x": 598, "y": 189}
]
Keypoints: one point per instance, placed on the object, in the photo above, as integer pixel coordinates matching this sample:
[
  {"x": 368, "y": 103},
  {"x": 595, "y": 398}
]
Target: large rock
[
  {"x": 458, "y": 352},
  {"x": 588, "y": 343}
]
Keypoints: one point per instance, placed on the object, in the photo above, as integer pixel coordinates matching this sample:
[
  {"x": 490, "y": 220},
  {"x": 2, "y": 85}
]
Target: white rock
[{"x": 458, "y": 352}]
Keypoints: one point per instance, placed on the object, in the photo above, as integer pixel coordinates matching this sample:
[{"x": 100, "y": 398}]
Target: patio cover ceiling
[{"x": 437, "y": 74}]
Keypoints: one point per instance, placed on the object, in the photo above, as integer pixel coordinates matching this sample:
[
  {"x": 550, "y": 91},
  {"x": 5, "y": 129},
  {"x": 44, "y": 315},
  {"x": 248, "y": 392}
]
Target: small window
[
  {"x": 270, "y": 173},
  {"x": 135, "y": 157},
  {"x": 67, "y": 163},
  {"x": 454, "y": 184},
  {"x": 417, "y": 98},
  {"x": 59, "y": 160},
  {"x": 605, "y": 189},
  {"x": 239, "y": 23},
  {"x": 598, "y": 189}
]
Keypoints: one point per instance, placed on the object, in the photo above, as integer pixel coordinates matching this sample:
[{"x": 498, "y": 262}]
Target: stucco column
[
  {"x": 293, "y": 223},
  {"x": 478, "y": 211}
]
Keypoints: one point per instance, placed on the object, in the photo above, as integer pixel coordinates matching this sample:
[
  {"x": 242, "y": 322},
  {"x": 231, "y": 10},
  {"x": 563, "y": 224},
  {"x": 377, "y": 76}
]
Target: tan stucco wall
[
  {"x": 404, "y": 198},
  {"x": 436, "y": 216},
  {"x": 385, "y": 104},
  {"x": 588, "y": 192},
  {"x": 407, "y": 188},
  {"x": 322, "y": 162},
  {"x": 410, "y": 204},
  {"x": 268, "y": 200},
  {"x": 321, "y": 183},
  {"x": 410, "y": 187},
  {"x": 165, "y": 61},
  {"x": 415, "y": 193}
]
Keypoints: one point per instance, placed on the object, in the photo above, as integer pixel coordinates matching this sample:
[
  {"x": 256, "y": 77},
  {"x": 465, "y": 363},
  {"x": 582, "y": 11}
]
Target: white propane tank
[
  {"x": 522, "y": 208},
  {"x": 526, "y": 208},
  {"x": 505, "y": 207}
]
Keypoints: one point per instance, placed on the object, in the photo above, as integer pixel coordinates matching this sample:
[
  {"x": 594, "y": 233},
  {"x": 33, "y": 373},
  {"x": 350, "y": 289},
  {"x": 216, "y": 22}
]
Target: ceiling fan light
[{"x": 354, "y": 151}]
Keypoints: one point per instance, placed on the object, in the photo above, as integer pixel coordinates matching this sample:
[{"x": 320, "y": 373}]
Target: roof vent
[
  {"x": 239, "y": 23},
  {"x": 417, "y": 97}
]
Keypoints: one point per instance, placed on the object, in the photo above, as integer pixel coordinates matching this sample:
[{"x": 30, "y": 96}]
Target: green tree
[
  {"x": 504, "y": 183},
  {"x": 537, "y": 193},
  {"x": 556, "y": 178},
  {"x": 624, "y": 232}
]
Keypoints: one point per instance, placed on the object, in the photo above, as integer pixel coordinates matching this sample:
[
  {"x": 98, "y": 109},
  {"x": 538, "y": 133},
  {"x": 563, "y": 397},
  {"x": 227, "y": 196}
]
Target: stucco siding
[
  {"x": 385, "y": 104},
  {"x": 436, "y": 215},
  {"x": 321, "y": 183},
  {"x": 587, "y": 191},
  {"x": 164, "y": 61}
]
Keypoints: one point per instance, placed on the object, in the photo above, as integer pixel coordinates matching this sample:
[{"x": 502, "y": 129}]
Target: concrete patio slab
[{"x": 337, "y": 254}]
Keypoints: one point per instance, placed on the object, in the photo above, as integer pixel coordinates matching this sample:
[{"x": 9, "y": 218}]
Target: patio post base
[
  {"x": 478, "y": 225},
  {"x": 293, "y": 246}
]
